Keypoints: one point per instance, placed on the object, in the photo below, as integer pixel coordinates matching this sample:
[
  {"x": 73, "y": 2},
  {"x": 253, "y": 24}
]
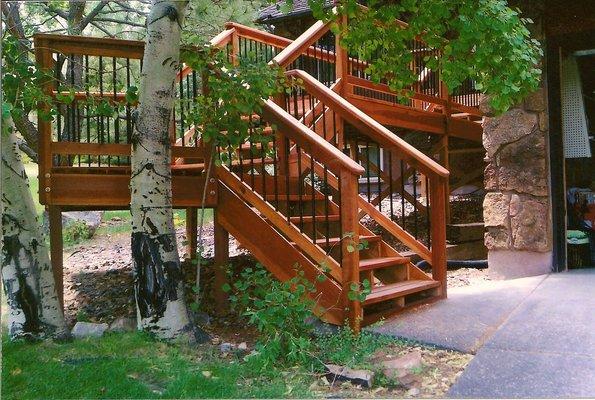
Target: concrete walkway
[{"x": 533, "y": 337}]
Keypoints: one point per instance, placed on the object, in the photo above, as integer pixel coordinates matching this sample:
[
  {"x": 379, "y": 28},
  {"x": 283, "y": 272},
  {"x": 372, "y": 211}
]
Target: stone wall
[
  {"x": 517, "y": 210},
  {"x": 517, "y": 204}
]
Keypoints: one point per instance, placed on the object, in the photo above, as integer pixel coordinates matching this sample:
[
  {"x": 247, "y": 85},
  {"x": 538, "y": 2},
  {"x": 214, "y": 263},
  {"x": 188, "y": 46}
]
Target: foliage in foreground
[
  {"x": 282, "y": 313},
  {"x": 483, "y": 40}
]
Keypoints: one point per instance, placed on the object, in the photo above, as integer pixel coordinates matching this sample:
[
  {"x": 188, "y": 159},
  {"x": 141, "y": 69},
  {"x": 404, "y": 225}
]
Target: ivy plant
[{"x": 483, "y": 40}]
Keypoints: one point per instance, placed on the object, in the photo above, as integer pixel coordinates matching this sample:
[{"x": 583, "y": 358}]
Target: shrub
[
  {"x": 76, "y": 232},
  {"x": 279, "y": 311},
  {"x": 347, "y": 348}
]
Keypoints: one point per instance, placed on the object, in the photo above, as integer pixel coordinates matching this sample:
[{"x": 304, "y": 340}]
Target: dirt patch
[
  {"x": 466, "y": 276},
  {"x": 99, "y": 283},
  {"x": 439, "y": 371}
]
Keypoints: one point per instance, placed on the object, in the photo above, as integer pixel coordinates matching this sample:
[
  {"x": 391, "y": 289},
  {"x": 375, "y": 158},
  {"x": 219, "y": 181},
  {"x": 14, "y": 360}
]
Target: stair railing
[{"x": 403, "y": 190}]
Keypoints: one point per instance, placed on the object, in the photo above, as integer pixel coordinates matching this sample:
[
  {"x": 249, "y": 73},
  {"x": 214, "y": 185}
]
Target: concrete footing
[{"x": 507, "y": 264}]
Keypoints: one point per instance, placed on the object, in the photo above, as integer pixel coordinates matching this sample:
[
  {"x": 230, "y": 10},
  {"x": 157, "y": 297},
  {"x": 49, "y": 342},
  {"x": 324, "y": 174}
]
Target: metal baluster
[
  {"x": 390, "y": 184},
  {"x": 275, "y": 175},
  {"x": 368, "y": 186},
  {"x": 313, "y": 197},
  {"x": 326, "y": 206},
  {"x": 300, "y": 202},
  {"x": 403, "y": 194},
  {"x": 428, "y": 221},
  {"x": 287, "y": 185},
  {"x": 117, "y": 104},
  {"x": 195, "y": 95},
  {"x": 415, "y": 232},
  {"x": 87, "y": 109}
]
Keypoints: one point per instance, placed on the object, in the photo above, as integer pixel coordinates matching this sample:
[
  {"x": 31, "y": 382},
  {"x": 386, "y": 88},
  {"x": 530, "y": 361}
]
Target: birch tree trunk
[
  {"x": 159, "y": 289},
  {"x": 29, "y": 287}
]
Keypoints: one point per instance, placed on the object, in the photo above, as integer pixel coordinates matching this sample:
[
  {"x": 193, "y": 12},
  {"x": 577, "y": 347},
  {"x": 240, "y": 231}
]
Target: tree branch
[
  {"x": 102, "y": 29},
  {"x": 119, "y": 21},
  {"x": 15, "y": 25},
  {"x": 90, "y": 17},
  {"x": 24, "y": 147}
]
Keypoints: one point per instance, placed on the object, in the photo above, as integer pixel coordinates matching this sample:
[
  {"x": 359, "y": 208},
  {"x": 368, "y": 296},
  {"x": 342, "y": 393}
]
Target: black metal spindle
[
  {"x": 415, "y": 227},
  {"x": 313, "y": 197},
  {"x": 299, "y": 200},
  {"x": 428, "y": 221},
  {"x": 403, "y": 194},
  {"x": 368, "y": 186},
  {"x": 326, "y": 206},
  {"x": 390, "y": 184}
]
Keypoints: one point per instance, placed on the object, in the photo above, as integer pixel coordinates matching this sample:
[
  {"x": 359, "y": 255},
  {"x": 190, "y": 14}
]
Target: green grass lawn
[{"x": 133, "y": 365}]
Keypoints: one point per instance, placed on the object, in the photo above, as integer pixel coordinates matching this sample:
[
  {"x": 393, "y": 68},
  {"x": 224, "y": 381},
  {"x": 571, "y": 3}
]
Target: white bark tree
[
  {"x": 33, "y": 306},
  {"x": 159, "y": 288}
]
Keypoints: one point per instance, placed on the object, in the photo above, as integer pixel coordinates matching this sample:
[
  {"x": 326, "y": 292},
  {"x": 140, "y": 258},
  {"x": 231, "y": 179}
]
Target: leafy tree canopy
[{"x": 484, "y": 40}]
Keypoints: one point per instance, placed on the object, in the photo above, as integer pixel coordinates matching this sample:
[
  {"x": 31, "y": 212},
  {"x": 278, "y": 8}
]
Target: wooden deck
[{"x": 307, "y": 199}]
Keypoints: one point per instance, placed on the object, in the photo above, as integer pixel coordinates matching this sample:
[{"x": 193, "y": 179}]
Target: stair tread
[
  {"x": 335, "y": 240},
  {"x": 317, "y": 218},
  {"x": 382, "y": 262},
  {"x": 294, "y": 197},
  {"x": 394, "y": 290}
]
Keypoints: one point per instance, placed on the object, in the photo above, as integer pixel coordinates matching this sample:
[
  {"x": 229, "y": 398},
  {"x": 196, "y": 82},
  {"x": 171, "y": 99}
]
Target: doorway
[{"x": 571, "y": 93}]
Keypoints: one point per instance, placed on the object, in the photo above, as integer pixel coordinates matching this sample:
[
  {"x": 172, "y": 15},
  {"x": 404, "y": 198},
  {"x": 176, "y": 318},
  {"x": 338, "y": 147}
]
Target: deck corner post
[
  {"x": 191, "y": 232},
  {"x": 350, "y": 251},
  {"x": 221, "y": 236},
  {"x": 438, "y": 230},
  {"x": 57, "y": 250}
]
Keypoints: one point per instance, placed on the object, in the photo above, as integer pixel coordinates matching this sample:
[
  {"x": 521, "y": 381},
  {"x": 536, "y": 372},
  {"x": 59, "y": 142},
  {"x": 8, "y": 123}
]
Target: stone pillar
[
  {"x": 517, "y": 204},
  {"x": 517, "y": 210}
]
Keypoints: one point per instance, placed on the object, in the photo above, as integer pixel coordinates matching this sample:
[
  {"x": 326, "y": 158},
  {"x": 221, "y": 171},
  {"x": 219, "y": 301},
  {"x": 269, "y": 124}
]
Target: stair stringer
[{"x": 275, "y": 253}]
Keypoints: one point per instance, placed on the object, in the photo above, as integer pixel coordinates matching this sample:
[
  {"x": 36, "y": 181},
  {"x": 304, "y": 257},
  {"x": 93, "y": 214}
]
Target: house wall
[{"x": 517, "y": 205}]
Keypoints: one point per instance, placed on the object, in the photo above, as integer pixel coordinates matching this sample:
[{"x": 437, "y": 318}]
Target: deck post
[
  {"x": 350, "y": 252},
  {"x": 438, "y": 204},
  {"x": 221, "y": 262},
  {"x": 191, "y": 232},
  {"x": 445, "y": 161},
  {"x": 57, "y": 250},
  {"x": 341, "y": 73}
]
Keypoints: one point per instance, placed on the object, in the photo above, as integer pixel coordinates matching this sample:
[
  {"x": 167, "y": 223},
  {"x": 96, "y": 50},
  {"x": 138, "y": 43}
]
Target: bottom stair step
[
  {"x": 399, "y": 289},
  {"x": 381, "y": 262}
]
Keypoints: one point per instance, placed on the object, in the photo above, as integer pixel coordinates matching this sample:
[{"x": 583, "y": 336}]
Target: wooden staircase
[{"x": 333, "y": 192}]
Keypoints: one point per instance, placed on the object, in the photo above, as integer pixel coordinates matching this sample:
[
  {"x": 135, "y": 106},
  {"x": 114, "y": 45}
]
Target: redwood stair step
[
  {"x": 399, "y": 289},
  {"x": 382, "y": 262},
  {"x": 294, "y": 197},
  {"x": 335, "y": 240},
  {"x": 307, "y": 219}
]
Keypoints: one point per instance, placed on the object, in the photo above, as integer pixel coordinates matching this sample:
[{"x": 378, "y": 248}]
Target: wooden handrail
[
  {"x": 301, "y": 44},
  {"x": 313, "y": 143},
  {"x": 92, "y": 46},
  {"x": 368, "y": 125}
]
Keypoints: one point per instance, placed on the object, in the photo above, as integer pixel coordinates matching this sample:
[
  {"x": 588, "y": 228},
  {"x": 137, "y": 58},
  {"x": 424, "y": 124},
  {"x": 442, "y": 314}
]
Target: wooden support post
[
  {"x": 350, "y": 252},
  {"x": 235, "y": 48},
  {"x": 191, "y": 232},
  {"x": 445, "y": 161},
  {"x": 57, "y": 250},
  {"x": 341, "y": 72},
  {"x": 220, "y": 265},
  {"x": 438, "y": 230}
]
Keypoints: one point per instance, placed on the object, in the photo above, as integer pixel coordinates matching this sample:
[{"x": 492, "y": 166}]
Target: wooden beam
[
  {"x": 221, "y": 263},
  {"x": 350, "y": 252},
  {"x": 57, "y": 250},
  {"x": 191, "y": 232},
  {"x": 438, "y": 231}
]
